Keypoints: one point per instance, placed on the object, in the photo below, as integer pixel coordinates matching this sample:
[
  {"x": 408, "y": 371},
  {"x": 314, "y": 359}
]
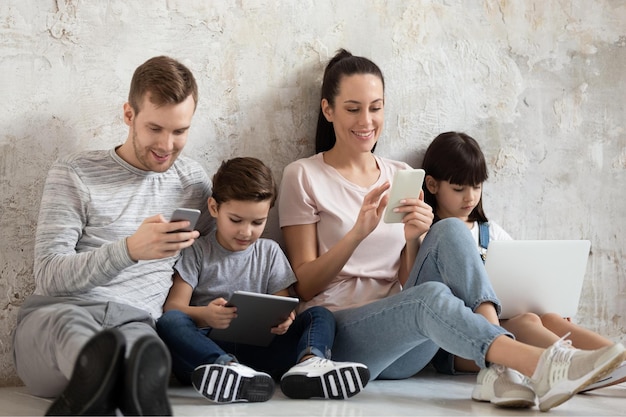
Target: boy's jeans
[{"x": 312, "y": 332}]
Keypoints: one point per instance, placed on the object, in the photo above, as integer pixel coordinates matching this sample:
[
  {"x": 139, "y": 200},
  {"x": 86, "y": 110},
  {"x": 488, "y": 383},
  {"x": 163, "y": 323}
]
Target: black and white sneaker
[
  {"x": 322, "y": 378},
  {"x": 232, "y": 383}
]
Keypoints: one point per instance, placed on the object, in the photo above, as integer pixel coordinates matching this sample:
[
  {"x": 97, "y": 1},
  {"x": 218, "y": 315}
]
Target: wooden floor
[{"x": 427, "y": 394}]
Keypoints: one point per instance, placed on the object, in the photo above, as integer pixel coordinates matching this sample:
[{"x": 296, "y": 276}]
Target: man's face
[{"x": 157, "y": 134}]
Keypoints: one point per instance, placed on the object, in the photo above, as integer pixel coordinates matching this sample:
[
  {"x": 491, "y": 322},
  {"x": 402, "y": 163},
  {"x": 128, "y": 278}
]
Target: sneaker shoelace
[
  {"x": 499, "y": 369},
  {"x": 560, "y": 357},
  {"x": 320, "y": 362}
]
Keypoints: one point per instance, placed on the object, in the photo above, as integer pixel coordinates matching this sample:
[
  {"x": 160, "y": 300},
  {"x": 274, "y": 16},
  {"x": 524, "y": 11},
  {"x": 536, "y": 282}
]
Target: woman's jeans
[
  {"x": 312, "y": 332},
  {"x": 397, "y": 336}
]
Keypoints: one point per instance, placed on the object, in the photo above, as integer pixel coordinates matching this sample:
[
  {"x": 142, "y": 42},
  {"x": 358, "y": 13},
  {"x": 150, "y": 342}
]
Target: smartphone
[
  {"x": 407, "y": 183},
  {"x": 190, "y": 215}
]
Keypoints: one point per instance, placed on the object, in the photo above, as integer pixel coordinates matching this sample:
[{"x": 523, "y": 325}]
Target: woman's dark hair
[
  {"x": 343, "y": 64},
  {"x": 244, "y": 179},
  {"x": 457, "y": 158}
]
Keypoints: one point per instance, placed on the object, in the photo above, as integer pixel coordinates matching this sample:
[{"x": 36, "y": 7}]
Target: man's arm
[{"x": 59, "y": 268}]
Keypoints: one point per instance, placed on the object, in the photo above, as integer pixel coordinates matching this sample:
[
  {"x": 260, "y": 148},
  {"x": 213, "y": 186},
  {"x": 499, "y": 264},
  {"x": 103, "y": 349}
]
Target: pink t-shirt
[{"x": 314, "y": 192}]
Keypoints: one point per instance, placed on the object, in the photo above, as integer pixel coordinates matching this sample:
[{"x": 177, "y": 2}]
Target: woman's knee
[
  {"x": 428, "y": 290},
  {"x": 451, "y": 226}
]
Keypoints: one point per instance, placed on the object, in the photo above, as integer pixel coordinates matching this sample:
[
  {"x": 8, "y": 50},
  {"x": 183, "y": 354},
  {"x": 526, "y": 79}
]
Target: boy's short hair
[
  {"x": 167, "y": 80},
  {"x": 244, "y": 179}
]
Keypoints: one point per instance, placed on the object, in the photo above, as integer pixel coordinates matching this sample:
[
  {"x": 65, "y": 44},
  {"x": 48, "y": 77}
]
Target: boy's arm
[
  {"x": 283, "y": 293},
  {"x": 179, "y": 296},
  {"x": 215, "y": 315}
]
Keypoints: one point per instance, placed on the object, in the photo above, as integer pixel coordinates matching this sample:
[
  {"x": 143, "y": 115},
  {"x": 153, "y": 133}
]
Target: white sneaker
[
  {"x": 232, "y": 383},
  {"x": 321, "y": 378},
  {"x": 563, "y": 371},
  {"x": 616, "y": 377},
  {"x": 503, "y": 387}
]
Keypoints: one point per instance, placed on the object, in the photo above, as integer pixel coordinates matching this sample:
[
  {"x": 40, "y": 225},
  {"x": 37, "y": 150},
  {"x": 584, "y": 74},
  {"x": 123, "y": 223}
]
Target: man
[{"x": 104, "y": 252}]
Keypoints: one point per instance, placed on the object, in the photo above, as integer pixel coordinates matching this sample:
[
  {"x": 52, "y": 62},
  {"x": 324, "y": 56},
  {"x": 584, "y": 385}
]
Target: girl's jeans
[
  {"x": 397, "y": 336},
  {"x": 312, "y": 332}
]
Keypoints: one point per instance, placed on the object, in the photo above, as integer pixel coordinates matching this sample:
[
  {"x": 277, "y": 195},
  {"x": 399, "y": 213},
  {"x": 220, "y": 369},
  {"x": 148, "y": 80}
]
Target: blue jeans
[
  {"x": 312, "y": 332},
  {"x": 397, "y": 336}
]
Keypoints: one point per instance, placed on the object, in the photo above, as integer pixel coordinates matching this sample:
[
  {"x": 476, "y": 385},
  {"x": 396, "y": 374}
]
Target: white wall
[{"x": 539, "y": 83}]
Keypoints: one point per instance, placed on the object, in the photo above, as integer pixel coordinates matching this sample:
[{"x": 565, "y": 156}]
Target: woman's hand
[
  {"x": 418, "y": 217},
  {"x": 371, "y": 212}
]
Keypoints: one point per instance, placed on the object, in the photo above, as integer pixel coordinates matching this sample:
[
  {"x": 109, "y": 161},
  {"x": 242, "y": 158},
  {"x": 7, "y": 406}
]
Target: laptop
[
  {"x": 256, "y": 315},
  {"x": 537, "y": 276}
]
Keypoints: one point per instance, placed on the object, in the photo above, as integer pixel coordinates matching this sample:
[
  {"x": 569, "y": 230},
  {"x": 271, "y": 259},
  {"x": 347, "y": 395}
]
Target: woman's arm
[{"x": 314, "y": 271}]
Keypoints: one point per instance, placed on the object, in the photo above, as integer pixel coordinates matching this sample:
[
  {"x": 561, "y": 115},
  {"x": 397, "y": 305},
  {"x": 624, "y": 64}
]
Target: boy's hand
[
  {"x": 284, "y": 326},
  {"x": 217, "y": 316}
]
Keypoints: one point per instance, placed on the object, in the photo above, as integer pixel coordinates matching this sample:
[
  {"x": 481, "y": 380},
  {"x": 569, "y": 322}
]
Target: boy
[{"x": 234, "y": 257}]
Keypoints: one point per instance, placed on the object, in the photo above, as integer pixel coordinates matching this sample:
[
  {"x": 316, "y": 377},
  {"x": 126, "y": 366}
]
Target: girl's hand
[
  {"x": 217, "y": 316},
  {"x": 418, "y": 218},
  {"x": 372, "y": 209},
  {"x": 284, "y": 326}
]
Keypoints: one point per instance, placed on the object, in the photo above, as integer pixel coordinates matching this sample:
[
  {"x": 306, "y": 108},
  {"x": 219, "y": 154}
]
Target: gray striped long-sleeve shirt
[{"x": 94, "y": 200}]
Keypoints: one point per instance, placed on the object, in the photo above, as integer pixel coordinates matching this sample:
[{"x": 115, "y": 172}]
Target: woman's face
[{"x": 359, "y": 113}]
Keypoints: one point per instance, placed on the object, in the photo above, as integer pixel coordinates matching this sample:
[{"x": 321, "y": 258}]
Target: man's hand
[{"x": 154, "y": 239}]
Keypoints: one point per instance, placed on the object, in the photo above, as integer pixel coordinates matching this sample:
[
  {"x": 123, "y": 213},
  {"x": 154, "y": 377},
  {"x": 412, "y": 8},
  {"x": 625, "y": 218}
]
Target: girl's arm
[{"x": 315, "y": 272}]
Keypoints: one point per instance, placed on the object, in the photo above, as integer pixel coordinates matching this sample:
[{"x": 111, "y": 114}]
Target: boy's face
[{"x": 239, "y": 223}]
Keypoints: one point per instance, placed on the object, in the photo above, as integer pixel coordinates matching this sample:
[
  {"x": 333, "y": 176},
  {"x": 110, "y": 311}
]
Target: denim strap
[{"x": 483, "y": 239}]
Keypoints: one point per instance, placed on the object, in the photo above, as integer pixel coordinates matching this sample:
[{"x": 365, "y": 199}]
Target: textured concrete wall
[{"x": 539, "y": 83}]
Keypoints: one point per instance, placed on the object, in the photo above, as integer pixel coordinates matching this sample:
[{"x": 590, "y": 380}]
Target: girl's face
[
  {"x": 239, "y": 223},
  {"x": 454, "y": 200},
  {"x": 358, "y": 114}
]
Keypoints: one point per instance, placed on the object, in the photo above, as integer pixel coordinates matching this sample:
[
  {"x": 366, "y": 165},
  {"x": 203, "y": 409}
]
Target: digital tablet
[
  {"x": 256, "y": 315},
  {"x": 407, "y": 183}
]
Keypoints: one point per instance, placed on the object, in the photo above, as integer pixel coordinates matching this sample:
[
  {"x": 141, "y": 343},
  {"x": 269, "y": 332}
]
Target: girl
[
  {"x": 396, "y": 299},
  {"x": 455, "y": 171}
]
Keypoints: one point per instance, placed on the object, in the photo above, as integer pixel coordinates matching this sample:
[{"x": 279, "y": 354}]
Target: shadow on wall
[
  {"x": 25, "y": 157},
  {"x": 275, "y": 124}
]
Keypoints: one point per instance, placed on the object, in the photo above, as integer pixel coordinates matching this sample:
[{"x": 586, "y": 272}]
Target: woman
[{"x": 396, "y": 301}]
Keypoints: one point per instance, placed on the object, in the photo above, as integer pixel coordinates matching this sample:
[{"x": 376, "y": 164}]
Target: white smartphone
[
  {"x": 190, "y": 215},
  {"x": 407, "y": 183}
]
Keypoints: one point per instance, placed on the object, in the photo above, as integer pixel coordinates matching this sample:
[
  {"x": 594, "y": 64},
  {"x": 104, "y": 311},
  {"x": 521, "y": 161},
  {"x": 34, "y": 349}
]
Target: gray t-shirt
[
  {"x": 213, "y": 271},
  {"x": 94, "y": 200}
]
